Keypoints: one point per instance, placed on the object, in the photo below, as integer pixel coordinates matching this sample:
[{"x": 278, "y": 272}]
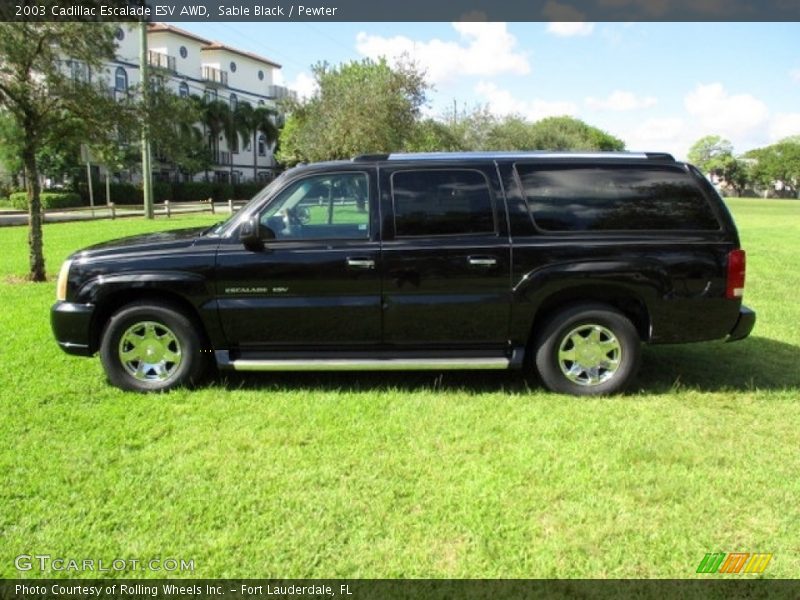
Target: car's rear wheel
[
  {"x": 586, "y": 350},
  {"x": 148, "y": 347}
]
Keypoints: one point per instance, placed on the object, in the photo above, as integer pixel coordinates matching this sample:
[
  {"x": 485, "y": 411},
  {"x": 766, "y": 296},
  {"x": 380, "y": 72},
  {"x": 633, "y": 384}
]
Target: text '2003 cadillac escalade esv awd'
[{"x": 562, "y": 264}]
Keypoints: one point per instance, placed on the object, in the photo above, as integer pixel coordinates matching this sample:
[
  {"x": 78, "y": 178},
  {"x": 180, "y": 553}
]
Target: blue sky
[{"x": 658, "y": 86}]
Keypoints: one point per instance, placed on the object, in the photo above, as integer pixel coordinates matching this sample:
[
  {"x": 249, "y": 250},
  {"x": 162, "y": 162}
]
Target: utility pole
[{"x": 144, "y": 71}]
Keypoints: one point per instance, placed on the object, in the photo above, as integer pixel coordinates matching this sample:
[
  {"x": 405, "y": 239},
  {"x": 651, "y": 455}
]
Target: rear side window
[
  {"x": 441, "y": 202},
  {"x": 619, "y": 197}
]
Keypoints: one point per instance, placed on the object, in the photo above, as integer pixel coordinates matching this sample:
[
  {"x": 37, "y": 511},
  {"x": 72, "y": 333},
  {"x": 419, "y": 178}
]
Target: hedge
[
  {"x": 190, "y": 191},
  {"x": 50, "y": 200}
]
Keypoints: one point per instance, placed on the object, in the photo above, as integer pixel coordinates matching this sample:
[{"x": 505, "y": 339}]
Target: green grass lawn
[{"x": 407, "y": 475}]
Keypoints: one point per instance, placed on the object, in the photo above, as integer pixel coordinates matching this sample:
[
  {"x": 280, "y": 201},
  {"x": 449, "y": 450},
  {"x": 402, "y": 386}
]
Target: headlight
[{"x": 63, "y": 277}]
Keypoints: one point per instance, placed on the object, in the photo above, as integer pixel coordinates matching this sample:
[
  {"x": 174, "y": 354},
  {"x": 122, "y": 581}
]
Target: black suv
[{"x": 558, "y": 263}]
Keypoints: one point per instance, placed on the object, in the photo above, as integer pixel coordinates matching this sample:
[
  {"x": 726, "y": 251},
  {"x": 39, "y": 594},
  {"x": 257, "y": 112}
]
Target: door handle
[
  {"x": 482, "y": 261},
  {"x": 361, "y": 263}
]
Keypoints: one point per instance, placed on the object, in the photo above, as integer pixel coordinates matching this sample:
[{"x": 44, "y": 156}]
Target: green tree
[
  {"x": 430, "y": 135},
  {"x": 360, "y": 107},
  {"x": 176, "y": 132},
  {"x": 569, "y": 133},
  {"x": 255, "y": 122},
  {"x": 48, "y": 86},
  {"x": 778, "y": 163},
  {"x": 481, "y": 130},
  {"x": 710, "y": 153},
  {"x": 218, "y": 124}
]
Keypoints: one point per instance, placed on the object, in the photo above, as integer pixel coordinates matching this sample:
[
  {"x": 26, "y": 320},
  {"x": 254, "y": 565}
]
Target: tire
[
  {"x": 587, "y": 350},
  {"x": 160, "y": 333}
]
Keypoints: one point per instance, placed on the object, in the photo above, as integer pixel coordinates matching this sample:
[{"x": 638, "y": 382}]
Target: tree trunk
[
  {"x": 35, "y": 246},
  {"x": 255, "y": 156}
]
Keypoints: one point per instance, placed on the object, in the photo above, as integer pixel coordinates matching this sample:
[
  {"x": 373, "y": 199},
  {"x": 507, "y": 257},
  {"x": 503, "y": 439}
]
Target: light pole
[{"x": 147, "y": 172}]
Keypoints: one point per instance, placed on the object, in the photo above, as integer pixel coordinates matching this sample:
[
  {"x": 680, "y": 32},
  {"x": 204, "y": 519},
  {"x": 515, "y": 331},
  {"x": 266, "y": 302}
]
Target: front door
[{"x": 316, "y": 283}]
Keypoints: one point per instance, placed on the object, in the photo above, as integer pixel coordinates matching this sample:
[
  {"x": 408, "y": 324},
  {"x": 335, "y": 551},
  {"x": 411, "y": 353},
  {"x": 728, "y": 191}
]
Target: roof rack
[
  {"x": 664, "y": 156},
  {"x": 370, "y": 157}
]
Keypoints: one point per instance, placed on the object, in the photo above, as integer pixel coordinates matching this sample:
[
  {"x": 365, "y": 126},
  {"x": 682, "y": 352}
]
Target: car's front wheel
[
  {"x": 149, "y": 347},
  {"x": 586, "y": 350}
]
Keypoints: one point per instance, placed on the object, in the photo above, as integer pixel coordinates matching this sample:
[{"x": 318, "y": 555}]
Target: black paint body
[{"x": 423, "y": 295}]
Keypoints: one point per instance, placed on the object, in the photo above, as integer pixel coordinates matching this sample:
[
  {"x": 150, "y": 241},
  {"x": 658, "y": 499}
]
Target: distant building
[{"x": 197, "y": 66}]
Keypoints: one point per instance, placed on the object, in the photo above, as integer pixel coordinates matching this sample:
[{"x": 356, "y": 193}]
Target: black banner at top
[{"x": 405, "y": 10}]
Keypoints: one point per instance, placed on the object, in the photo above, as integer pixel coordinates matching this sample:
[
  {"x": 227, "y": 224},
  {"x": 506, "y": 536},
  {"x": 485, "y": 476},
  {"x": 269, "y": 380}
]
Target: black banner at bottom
[{"x": 391, "y": 589}]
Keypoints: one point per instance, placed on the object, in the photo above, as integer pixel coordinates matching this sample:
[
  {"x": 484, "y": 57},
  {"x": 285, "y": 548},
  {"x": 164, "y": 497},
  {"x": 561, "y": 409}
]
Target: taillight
[{"x": 736, "y": 269}]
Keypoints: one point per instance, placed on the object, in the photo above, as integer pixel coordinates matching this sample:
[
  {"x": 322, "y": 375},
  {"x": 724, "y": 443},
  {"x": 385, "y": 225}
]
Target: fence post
[
  {"x": 230, "y": 205},
  {"x": 166, "y": 207},
  {"x": 211, "y": 203},
  {"x": 113, "y": 212}
]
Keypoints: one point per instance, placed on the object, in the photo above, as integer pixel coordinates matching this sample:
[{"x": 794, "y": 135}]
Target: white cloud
[
  {"x": 728, "y": 115},
  {"x": 570, "y": 28},
  {"x": 304, "y": 84},
  {"x": 502, "y": 102},
  {"x": 485, "y": 49},
  {"x": 795, "y": 75},
  {"x": 667, "y": 134},
  {"x": 621, "y": 101},
  {"x": 783, "y": 125},
  {"x": 565, "y": 20}
]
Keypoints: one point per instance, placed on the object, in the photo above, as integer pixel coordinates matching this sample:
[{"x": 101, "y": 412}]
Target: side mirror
[{"x": 249, "y": 234}]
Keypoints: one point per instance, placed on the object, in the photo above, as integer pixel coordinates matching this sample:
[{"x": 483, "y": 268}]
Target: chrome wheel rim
[
  {"x": 150, "y": 351},
  {"x": 589, "y": 355}
]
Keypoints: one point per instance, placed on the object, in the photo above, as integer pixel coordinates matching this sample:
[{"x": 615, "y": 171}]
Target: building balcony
[
  {"x": 221, "y": 158},
  {"x": 279, "y": 92},
  {"x": 161, "y": 61},
  {"x": 215, "y": 76}
]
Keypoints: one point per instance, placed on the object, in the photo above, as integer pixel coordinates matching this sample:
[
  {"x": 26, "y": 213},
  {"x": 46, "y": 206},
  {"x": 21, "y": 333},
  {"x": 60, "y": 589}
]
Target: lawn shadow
[
  {"x": 472, "y": 382},
  {"x": 754, "y": 363}
]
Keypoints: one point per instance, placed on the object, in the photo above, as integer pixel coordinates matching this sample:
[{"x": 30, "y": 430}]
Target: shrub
[
  {"x": 194, "y": 191},
  {"x": 50, "y": 200},
  {"x": 245, "y": 191},
  {"x": 162, "y": 190},
  {"x": 121, "y": 193}
]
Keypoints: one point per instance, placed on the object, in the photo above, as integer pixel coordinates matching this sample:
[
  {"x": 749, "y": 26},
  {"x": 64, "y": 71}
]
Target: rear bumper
[
  {"x": 71, "y": 325},
  {"x": 744, "y": 325}
]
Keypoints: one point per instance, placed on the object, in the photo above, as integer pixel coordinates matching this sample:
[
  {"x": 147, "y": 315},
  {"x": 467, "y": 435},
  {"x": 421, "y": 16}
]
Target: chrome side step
[{"x": 358, "y": 364}]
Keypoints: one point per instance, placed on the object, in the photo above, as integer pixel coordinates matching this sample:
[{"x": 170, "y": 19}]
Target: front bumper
[
  {"x": 71, "y": 325},
  {"x": 744, "y": 325}
]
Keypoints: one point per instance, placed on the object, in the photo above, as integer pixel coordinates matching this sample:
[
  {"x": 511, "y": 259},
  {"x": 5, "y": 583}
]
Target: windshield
[{"x": 267, "y": 191}]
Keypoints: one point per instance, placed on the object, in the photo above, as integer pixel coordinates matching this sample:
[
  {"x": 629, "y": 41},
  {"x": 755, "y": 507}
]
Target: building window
[
  {"x": 234, "y": 102},
  {"x": 183, "y": 90},
  {"x": 261, "y": 103},
  {"x": 121, "y": 80},
  {"x": 184, "y": 52},
  {"x": 210, "y": 95},
  {"x": 262, "y": 145},
  {"x": 119, "y": 34},
  {"x": 261, "y": 75},
  {"x": 233, "y": 67}
]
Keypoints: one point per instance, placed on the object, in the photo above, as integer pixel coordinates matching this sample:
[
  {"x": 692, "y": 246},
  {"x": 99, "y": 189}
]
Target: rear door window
[{"x": 442, "y": 202}]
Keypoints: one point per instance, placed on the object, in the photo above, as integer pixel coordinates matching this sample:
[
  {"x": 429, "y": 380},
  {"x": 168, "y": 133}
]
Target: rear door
[{"x": 446, "y": 258}]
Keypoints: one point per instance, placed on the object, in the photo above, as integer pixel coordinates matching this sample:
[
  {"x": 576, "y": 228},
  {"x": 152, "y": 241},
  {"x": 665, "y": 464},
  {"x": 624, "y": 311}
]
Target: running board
[{"x": 387, "y": 364}]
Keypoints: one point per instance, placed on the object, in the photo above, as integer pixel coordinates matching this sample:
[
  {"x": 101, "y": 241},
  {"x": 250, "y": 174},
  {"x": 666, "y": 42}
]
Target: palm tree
[
  {"x": 255, "y": 122},
  {"x": 217, "y": 121}
]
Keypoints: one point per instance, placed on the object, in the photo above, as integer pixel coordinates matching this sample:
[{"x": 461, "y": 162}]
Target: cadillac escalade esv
[{"x": 558, "y": 263}]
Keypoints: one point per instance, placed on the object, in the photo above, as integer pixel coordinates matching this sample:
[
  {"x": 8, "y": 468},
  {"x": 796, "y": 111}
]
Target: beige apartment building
[{"x": 197, "y": 66}]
